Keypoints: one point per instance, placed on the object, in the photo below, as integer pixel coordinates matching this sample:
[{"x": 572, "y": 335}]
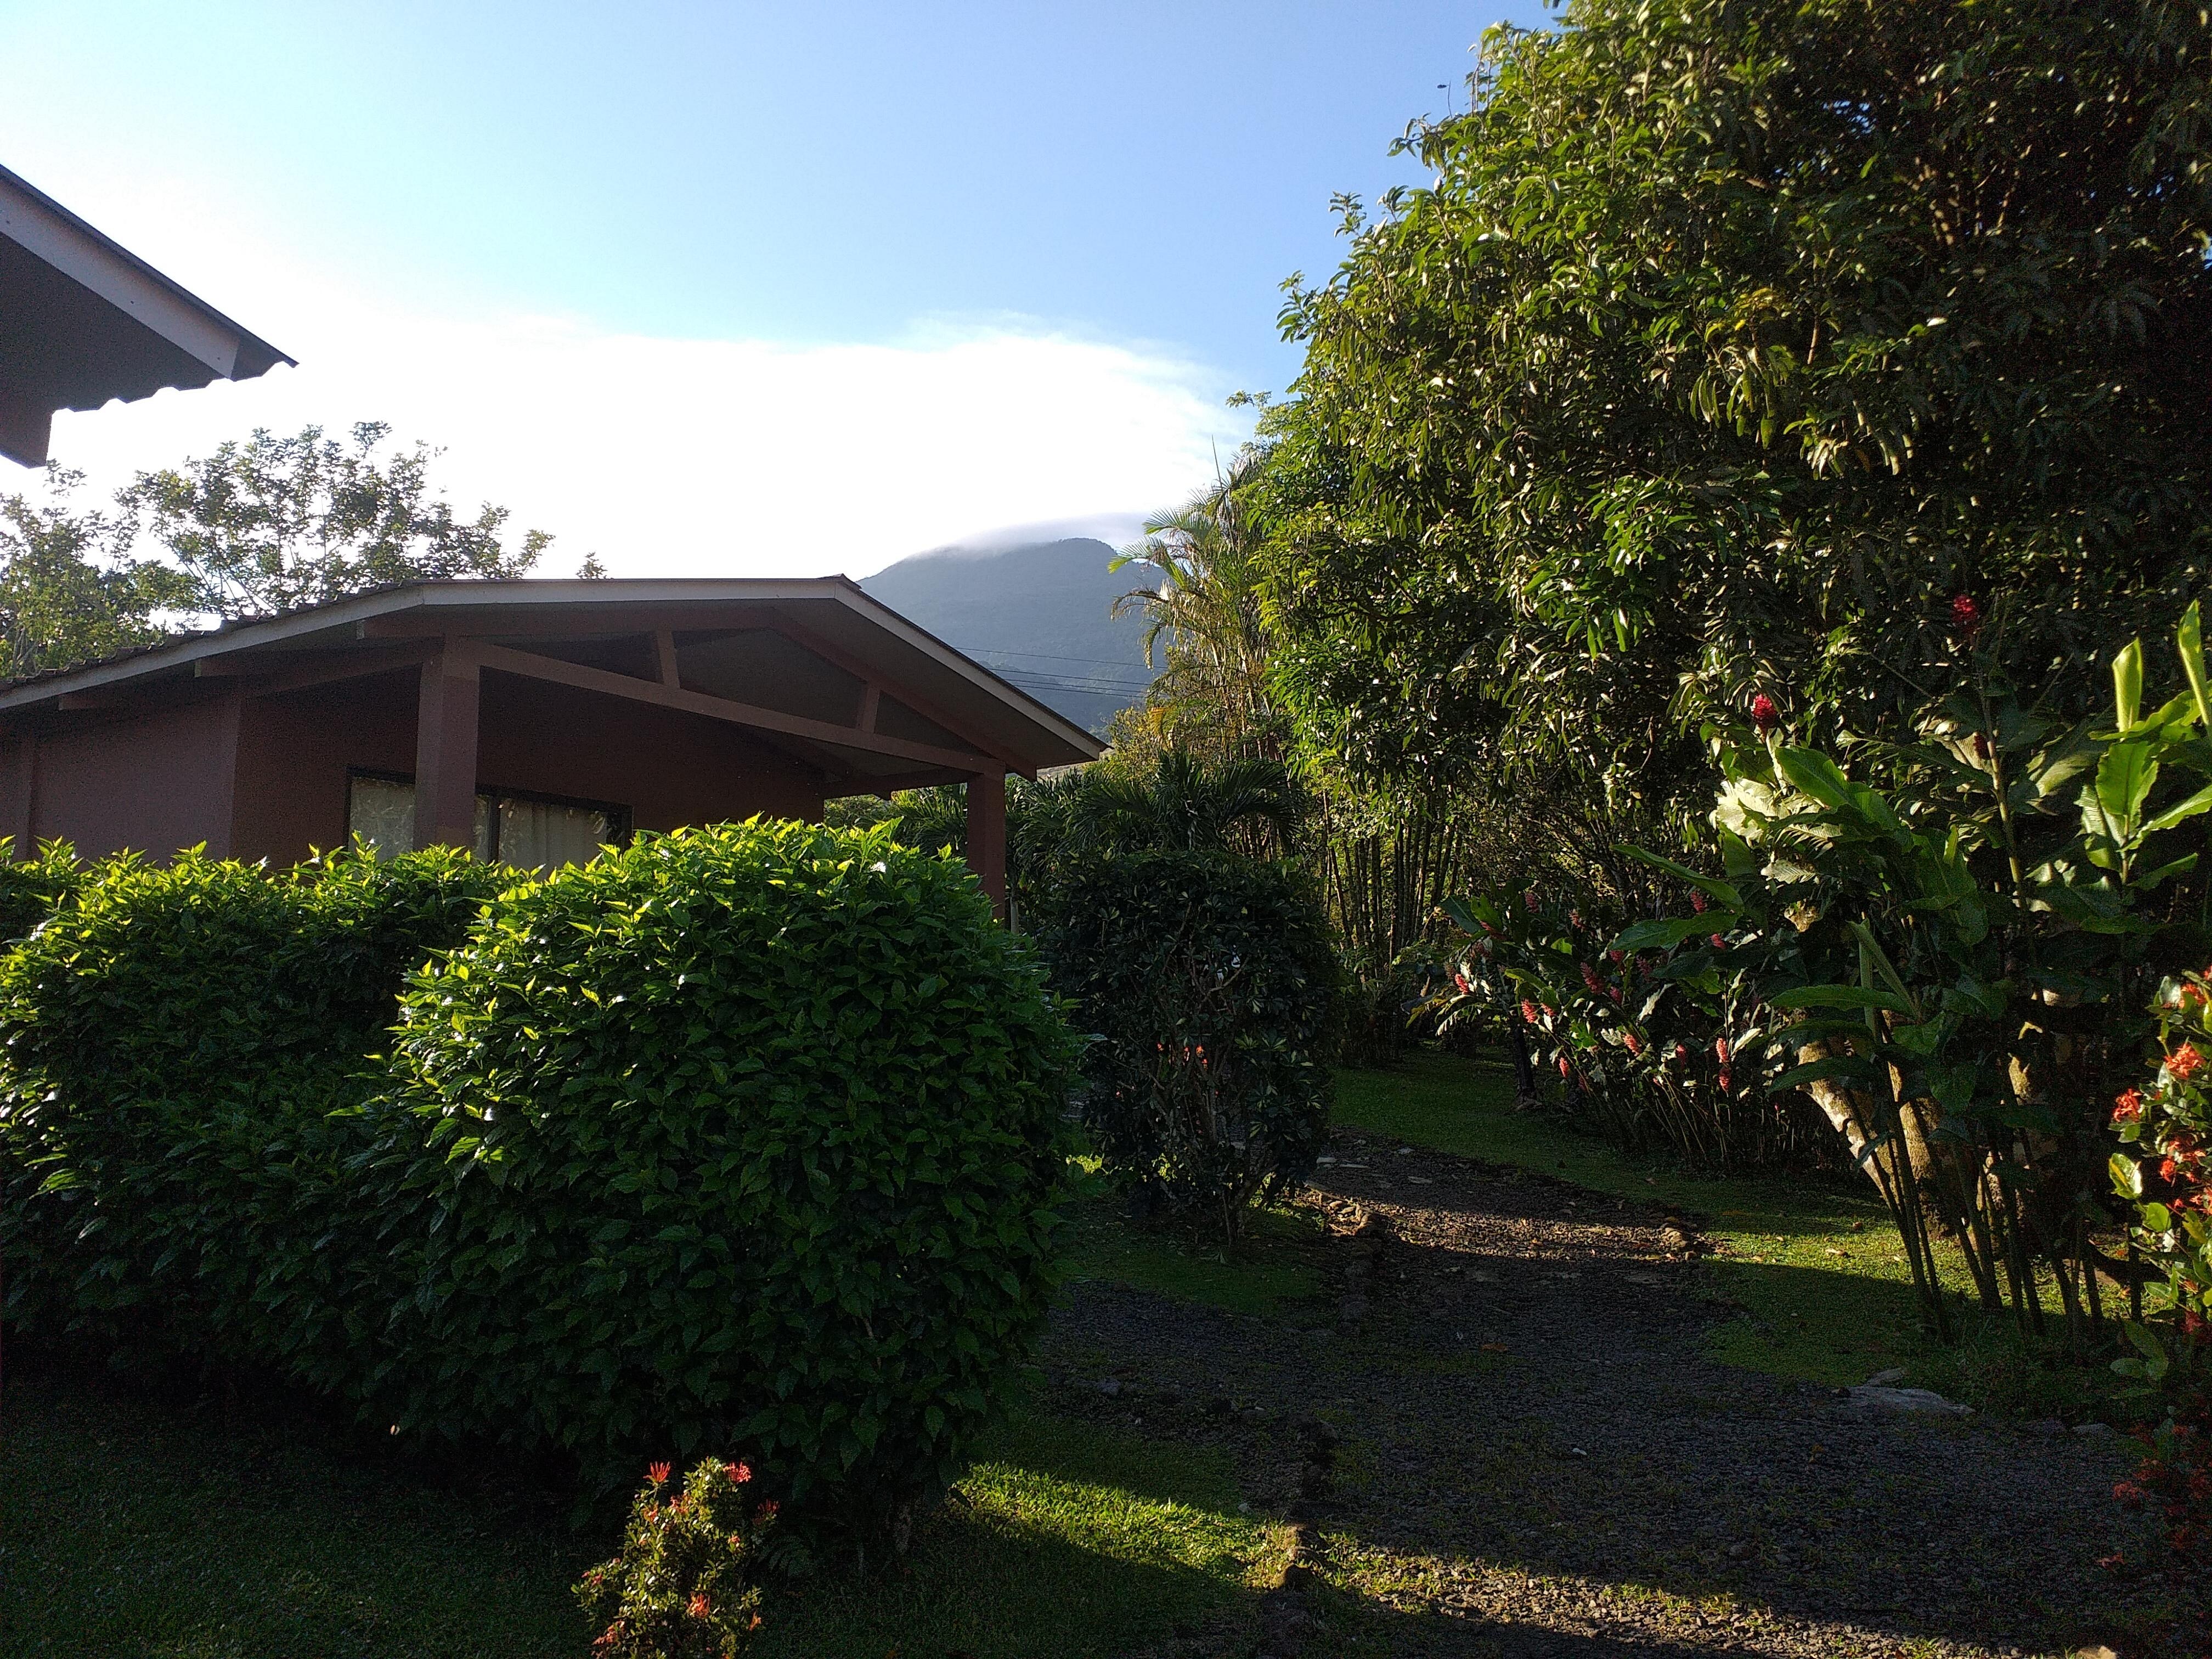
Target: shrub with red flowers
[
  {"x": 1639, "y": 1037},
  {"x": 2165, "y": 1131},
  {"x": 682, "y": 1587}
]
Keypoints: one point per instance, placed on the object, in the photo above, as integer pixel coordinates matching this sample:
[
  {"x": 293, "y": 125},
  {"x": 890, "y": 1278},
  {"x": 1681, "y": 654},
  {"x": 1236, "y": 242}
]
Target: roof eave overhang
[
  {"x": 347, "y": 622},
  {"x": 124, "y": 311}
]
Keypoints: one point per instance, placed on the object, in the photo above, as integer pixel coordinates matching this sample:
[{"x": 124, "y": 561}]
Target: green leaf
[
  {"x": 2125, "y": 778},
  {"x": 1711, "y": 886},
  {"x": 1838, "y": 996},
  {"x": 2181, "y": 811},
  {"x": 1664, "y": 935},
  {"x": 1812, "y": 772},
  {"x": 2127, "y": 683},
  {"x": 2189, "y": 638},
  {"x": 2127, "y": 1175}
]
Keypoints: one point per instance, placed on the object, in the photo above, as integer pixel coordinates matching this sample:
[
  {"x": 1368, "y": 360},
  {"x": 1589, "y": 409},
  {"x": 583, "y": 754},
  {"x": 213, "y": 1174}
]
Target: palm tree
[
  {"x": 1206, "y": 634},
  {"x": 1190, "y": 805}
]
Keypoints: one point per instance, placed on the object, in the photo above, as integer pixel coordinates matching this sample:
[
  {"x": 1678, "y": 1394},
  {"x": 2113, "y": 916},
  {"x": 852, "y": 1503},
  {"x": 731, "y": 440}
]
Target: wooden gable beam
[{"x": 827, "y": 732}]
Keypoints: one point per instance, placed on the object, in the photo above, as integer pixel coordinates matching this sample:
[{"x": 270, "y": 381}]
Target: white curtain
[
  {"x": 537, "y": 836},
  {"x": 383, "y": 815}
]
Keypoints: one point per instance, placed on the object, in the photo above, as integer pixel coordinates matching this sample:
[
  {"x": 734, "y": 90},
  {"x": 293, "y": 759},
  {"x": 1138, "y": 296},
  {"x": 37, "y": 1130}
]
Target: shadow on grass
[
  {"x": 173, "y": 1527},
  {"x": 1064, "y": 1540},
  {"x": 1278, "y": 1264}
]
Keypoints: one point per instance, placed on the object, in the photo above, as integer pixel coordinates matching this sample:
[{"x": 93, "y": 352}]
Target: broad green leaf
[
  {"x": 2181, "y": 811},
  {"x": 1712, "y": 887},
  {"x": 2127, "y": 1175},
  {"x": 1838, "y": 996},
  {"x": 2125, "y": 778},
  {"x": 2127, "y": 683},
  {"x": 2189, "y": 638},
  {"x": 1814, "y": 773},
  {"x": 1664, "y": 935}
]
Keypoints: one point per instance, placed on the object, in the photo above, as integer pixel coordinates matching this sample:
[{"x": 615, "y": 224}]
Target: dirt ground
[{"x": 1495, "y": 1434}]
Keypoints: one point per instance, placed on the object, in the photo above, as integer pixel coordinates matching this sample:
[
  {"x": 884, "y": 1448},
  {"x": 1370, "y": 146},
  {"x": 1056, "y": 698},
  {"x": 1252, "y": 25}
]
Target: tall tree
[
  {"x": 69, "y": 591},
  {"x": 1759, "y": 346},
  {"x": 276, "y": 523}
]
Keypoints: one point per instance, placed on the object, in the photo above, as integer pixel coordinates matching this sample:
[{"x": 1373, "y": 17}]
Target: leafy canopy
[
  {"x": 1733, "y": 339},
  {"x": 276, "y": 523}
]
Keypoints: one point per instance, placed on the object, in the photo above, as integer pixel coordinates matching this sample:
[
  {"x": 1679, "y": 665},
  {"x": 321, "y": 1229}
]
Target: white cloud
[{"x": 694, "y": 457}]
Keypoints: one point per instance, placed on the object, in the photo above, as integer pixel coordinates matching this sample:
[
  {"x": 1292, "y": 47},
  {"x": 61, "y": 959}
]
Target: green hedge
[
  {"x": 1213, "y": 990},
  {"x": 743, "y": 1140},
  {"x": 178, "y": 1040}
]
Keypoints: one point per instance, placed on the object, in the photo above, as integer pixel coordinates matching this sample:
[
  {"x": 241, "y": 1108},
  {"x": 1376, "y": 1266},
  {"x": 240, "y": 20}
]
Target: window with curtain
[{"x": 529, "y": 831}]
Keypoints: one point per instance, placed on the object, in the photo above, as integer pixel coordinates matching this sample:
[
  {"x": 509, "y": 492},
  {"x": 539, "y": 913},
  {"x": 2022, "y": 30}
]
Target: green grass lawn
[
  {"x": 157, "y": 1530},
  {"x": 1814, "y": 1267}
]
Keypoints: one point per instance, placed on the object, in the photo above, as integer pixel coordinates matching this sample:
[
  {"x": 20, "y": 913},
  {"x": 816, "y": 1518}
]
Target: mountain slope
[{"x": 1036, "y": 616}]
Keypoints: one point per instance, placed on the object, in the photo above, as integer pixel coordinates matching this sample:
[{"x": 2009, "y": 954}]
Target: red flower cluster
[
  {"x": 739, "y": 1472},
  {"x": 657, "y": 1473},
  {"x": 2183, "y": 1061},
  {"x": 1966, "y": 617},
  {"x": 1528, "y": 1011},
  {"x": 698, "y": 1606},
  {"x": 2128, "y": 1106},
  {"x": 1635, "y": 1043},
  {"x": 1698, "y": 900},
  {"x": 1765, "y": 714},
  {"x": 1591, "y": 978}
]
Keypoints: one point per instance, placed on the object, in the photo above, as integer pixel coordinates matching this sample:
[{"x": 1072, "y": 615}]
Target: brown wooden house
[{"x": 531, "y": 720}]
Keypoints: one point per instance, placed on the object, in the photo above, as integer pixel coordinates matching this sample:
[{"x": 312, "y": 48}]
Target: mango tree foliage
[{"x": 1735, "y": 339}]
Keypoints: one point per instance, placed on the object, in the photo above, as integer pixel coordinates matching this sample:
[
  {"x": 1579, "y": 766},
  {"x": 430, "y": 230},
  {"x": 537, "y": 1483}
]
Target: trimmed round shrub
[
  {"x": 743, "y": 1140},
  {"x": 1214, "y": 991},
  {"x": 181, "y": 1046}
]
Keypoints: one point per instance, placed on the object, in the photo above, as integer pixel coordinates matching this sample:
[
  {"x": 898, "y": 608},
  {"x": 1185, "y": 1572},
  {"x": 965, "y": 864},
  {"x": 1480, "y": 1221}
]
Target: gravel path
[{"x": 1496, "y": 1435}]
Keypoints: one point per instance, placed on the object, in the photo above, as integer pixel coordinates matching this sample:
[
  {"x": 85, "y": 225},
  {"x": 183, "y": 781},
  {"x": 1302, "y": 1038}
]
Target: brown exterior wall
[
  {"x": 668, "y": 768},
  {"x": 158, "y": 778}
]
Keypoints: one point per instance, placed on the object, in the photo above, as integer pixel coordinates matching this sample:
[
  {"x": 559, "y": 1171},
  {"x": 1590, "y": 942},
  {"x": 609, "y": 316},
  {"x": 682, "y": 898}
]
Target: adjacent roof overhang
[
  {"x": 83, "y": 321},
  {"x": 813, "y": 665}
]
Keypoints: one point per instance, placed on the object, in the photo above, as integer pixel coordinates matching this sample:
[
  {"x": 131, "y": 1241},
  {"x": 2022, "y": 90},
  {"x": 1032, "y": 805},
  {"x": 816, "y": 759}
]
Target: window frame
[{"x": 616, "y": 815}]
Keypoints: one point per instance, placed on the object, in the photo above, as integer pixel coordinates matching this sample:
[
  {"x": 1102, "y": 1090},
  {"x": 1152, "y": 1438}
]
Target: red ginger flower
[
  {"x": 2184, "y": 1062},
  {"x": 1716, "y": 941},
  {"x": 1528, "y": 1011},
  {"x": 1460, "y": 979},
  {"x": 657, "y": 1473},
  {"x": 1698, "y": 900},
  {"x": 1528, "y": 900},
  {"x": 1721, "y": 1049},
  {"x": 1764, "y": 714},
  {"x": 739, "y": 1472},
  {"x": 1589, "y": 977},
  {"x": 1563, "y": 1065},
  {"x": 1635, "y": 1043},
  {"x": 1966, "y": 617}
]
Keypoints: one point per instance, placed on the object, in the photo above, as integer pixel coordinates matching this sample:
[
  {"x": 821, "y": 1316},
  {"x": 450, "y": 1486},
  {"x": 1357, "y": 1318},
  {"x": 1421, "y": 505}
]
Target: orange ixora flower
[
  {"x": 657, "y": 1473},
  {"x": 2127, "y": 1106},
  {"x": 2183, "y": 1061},
  {"x": 698, "y": 1606},
  {"x": 739, "y": 1472}
]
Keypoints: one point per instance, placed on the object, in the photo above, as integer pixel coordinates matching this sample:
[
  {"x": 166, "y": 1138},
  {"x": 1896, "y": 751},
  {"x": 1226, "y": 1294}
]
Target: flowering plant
[{"x": 679, "y": 1588}]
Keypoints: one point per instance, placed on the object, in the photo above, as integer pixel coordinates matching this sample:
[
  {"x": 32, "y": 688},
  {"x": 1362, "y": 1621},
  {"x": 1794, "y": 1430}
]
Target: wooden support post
[
  {"x": 986, "y": 835},
  {"x": 445, "y": 752},
  {"x": 23, "y": 792}
]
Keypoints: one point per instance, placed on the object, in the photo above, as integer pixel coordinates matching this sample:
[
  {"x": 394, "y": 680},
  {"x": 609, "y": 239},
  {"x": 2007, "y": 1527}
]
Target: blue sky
[{"x": 827, "y": 284}]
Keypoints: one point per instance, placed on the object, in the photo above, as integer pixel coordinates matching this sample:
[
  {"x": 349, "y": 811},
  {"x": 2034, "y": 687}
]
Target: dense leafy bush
[
  {"x": 1213, "y": 986},
  {"x": 177, "y": 1041},
  {"x": 681, "y": 1586},
  {"x": 32, "y": 888},
  {"x": 744, "y": 1138}
]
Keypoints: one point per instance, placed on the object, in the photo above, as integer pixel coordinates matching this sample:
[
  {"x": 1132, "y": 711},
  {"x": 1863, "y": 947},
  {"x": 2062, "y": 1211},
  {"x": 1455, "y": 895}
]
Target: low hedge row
[{"x": 742, "y": 1139}]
